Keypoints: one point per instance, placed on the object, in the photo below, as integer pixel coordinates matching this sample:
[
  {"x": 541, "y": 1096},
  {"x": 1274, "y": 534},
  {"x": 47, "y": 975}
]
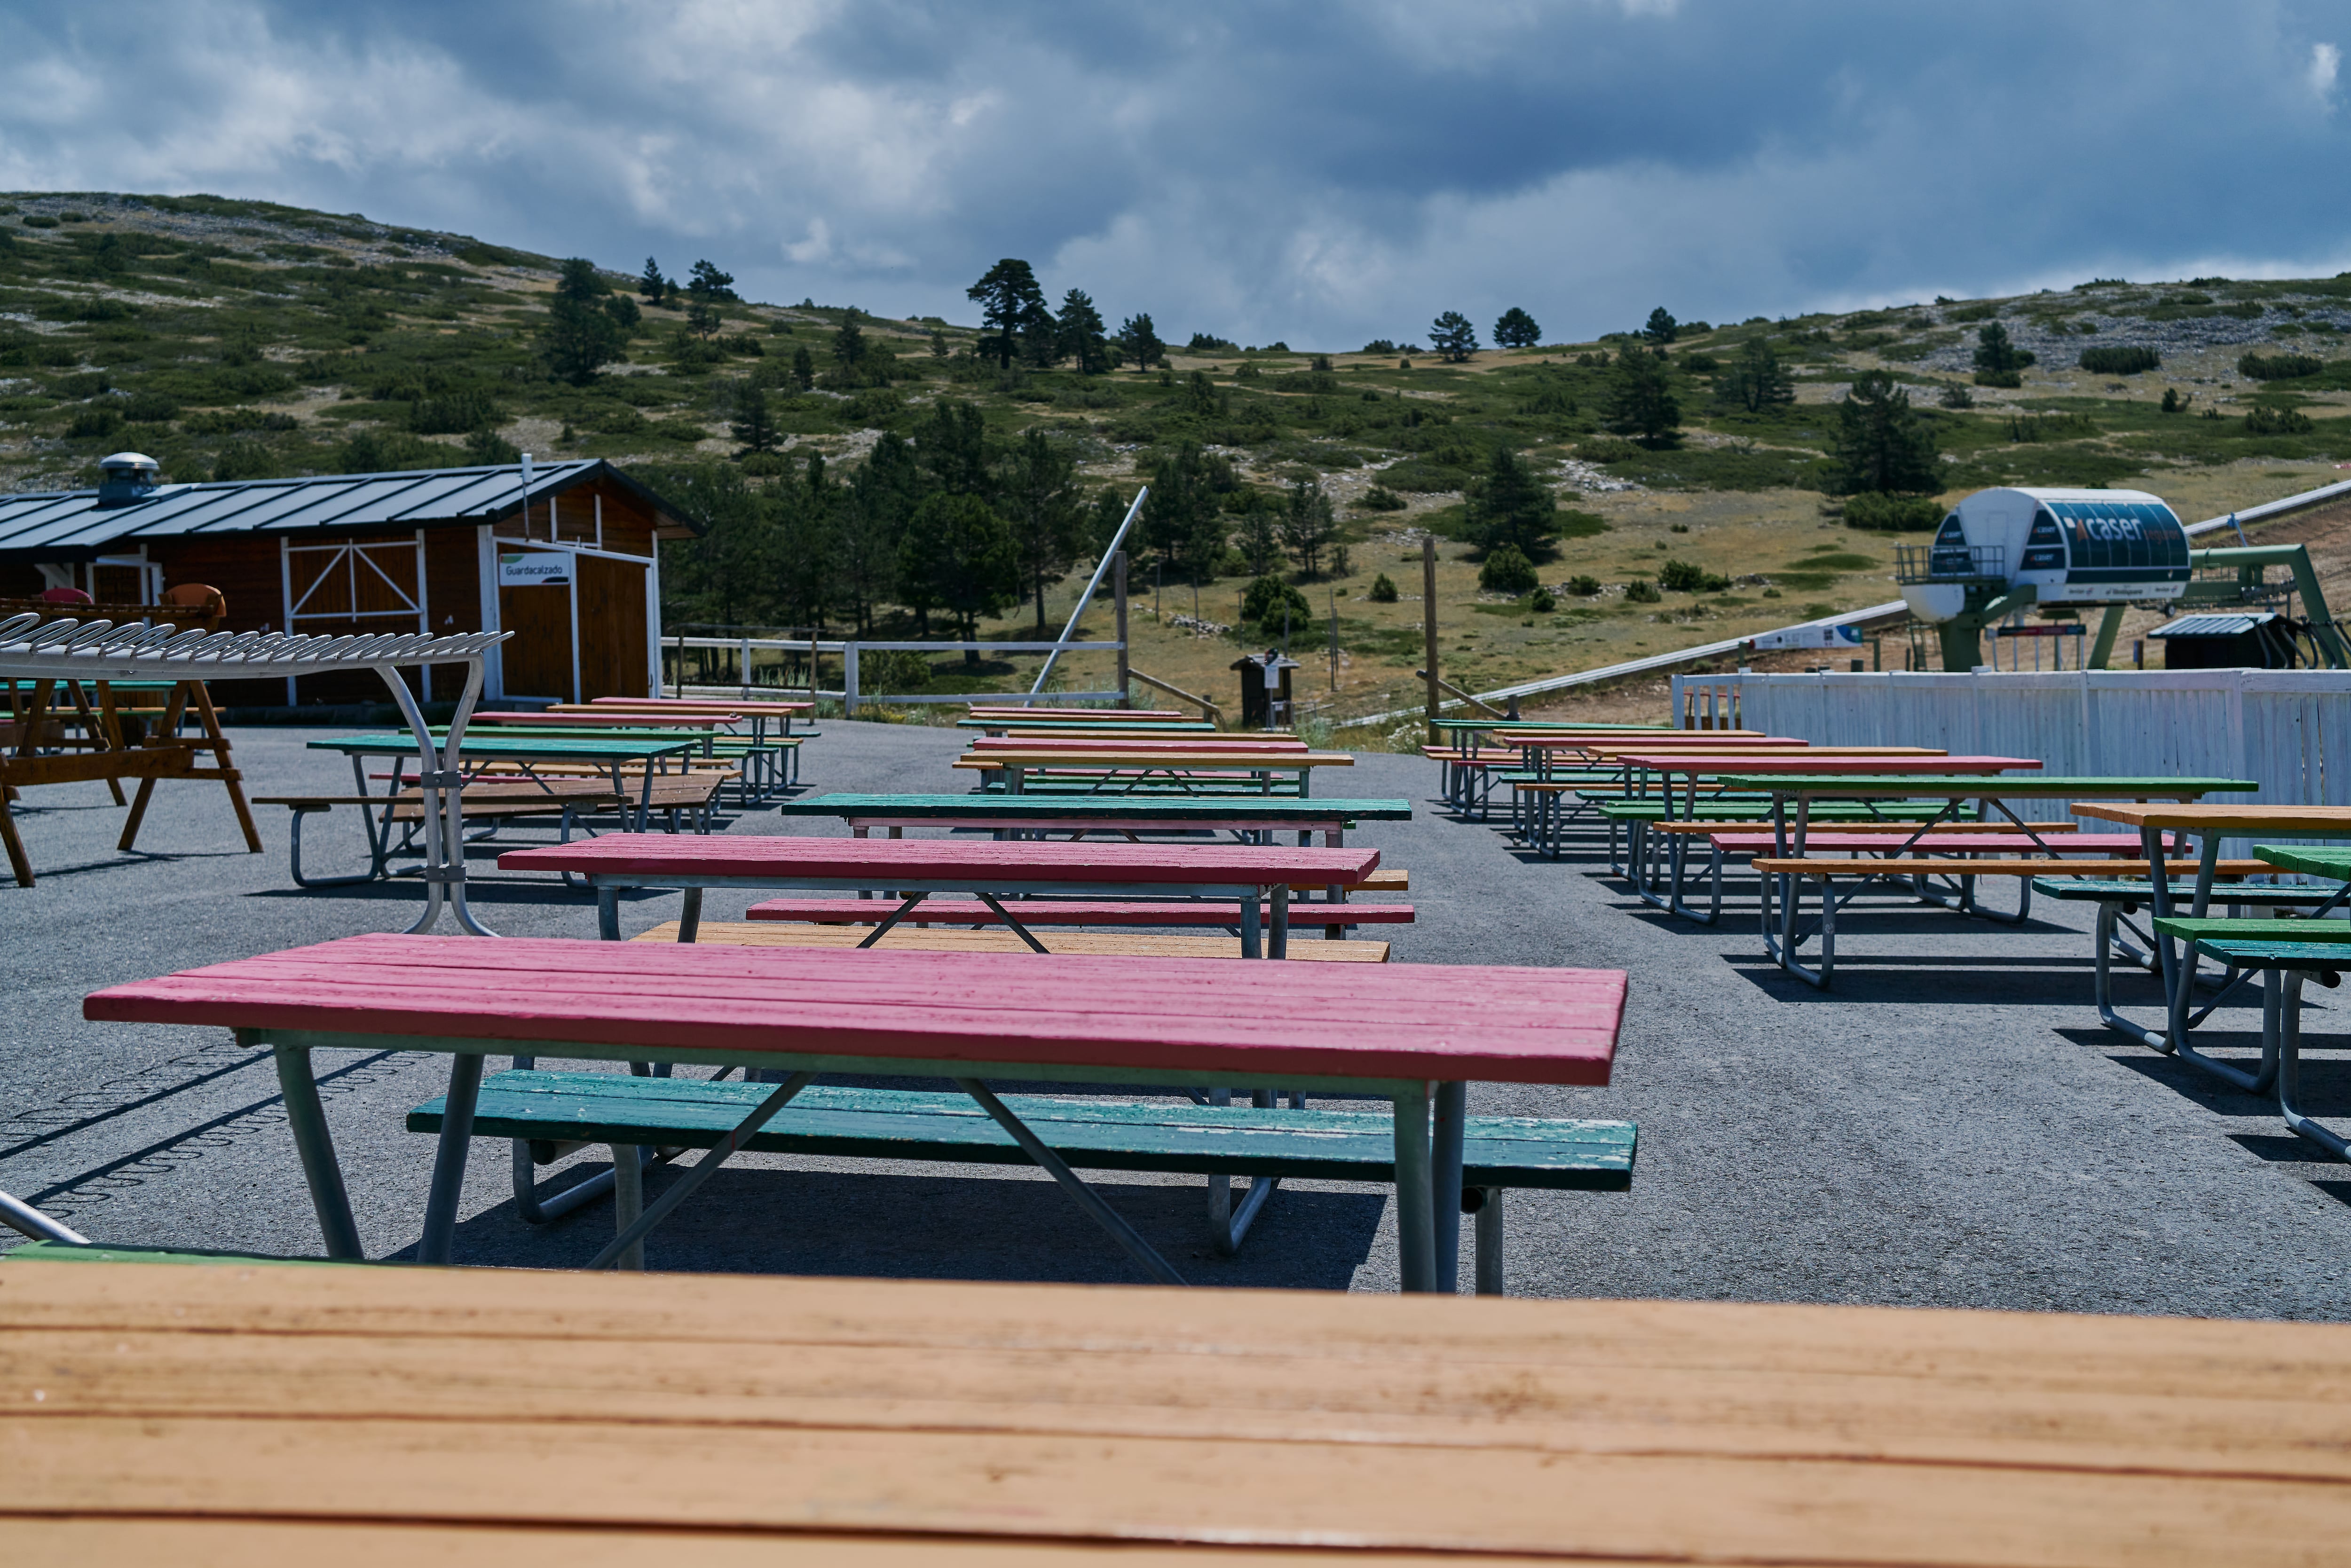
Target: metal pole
[
  {"x": 1335, "y": 639},
  {"x": 1118, "y": 594},
  {"x": 1428, "y": 623},
  {"x": 1092, "y": 582}
]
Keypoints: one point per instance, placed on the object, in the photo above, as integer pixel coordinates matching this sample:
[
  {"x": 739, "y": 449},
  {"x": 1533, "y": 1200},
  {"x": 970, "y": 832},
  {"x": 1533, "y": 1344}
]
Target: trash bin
[{"x": 1265, "y": 689}]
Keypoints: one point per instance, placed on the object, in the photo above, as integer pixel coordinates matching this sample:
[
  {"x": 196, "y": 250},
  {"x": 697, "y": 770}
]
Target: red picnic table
[
  {"x": 1415, "y": 1035},
  {"x": 1821, "y": 760},
  {"x": 911, "y": 869}
]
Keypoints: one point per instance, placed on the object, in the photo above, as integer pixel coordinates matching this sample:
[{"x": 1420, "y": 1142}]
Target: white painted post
[{"x": 848, "y": 677}]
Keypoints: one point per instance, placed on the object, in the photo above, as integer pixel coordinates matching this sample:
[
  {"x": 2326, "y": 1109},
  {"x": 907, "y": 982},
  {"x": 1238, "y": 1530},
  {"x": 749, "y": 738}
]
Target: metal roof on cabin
[
  {"x": 2234, "y": 624},
  {"x": 63, "y": 524}
]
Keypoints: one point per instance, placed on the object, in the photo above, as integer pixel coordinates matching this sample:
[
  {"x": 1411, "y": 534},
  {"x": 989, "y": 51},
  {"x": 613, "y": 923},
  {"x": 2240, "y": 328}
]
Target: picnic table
[
  {"x": 1182, "y": 769},
  {"x": 2209, "y": 825},
  {"x": 609, "y": 754},
  {"x": 1080, "y": 815},
  {"x": 220, "y": 1411},
  {"x": 912, "y": 869},
  {"x": 1966, "y": 779},
  {"x": 44, "y": 652},
  {"x": 1415, "y": 1035}
]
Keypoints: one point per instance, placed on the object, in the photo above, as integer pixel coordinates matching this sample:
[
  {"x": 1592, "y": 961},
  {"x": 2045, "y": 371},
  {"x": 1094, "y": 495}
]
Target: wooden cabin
[{"x": 564, "y": 555}]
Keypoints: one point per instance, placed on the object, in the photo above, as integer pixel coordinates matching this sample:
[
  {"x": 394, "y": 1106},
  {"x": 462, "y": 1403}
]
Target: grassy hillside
[{"x": 238, "y": 339}]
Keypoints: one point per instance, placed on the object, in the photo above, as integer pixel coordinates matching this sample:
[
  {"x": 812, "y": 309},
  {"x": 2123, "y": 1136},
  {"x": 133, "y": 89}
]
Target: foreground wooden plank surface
[{"x": 893, "y": 1422}]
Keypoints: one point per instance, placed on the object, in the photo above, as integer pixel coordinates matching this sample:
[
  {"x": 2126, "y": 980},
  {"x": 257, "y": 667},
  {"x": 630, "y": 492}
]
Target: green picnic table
[{"x": 607, "y": 753}]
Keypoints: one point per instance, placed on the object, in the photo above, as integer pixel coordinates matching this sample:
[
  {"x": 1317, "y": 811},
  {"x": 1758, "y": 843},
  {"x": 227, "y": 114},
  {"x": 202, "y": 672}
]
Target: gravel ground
[{"x": 1949, "y": 1128}]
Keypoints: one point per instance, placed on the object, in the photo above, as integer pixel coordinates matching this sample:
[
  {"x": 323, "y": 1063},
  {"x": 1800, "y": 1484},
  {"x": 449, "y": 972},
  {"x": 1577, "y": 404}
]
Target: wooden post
[
  {"x": 1118, "y": 597},
  {"x": 1428, "y": 623}
]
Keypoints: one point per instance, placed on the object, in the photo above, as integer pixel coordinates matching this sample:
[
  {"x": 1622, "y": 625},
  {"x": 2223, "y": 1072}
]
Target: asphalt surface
[{"x": 1948, "y": 1127}]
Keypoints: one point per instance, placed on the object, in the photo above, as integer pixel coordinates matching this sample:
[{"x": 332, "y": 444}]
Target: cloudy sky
[{"x": 1321, "y": 173}]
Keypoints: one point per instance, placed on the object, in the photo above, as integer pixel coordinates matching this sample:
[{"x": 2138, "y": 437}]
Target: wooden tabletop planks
[
  {"x": 623, "y": 854},
  {"x": 2226, "y": 820},
  {"x": 1825, "y": 761},
  {"x": 1452, "y": 1023},
  {"x": 962, "y": 1416}
]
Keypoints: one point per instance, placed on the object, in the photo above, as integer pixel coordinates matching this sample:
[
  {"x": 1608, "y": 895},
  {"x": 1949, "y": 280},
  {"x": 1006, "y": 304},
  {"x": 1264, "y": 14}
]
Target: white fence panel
[{"x": 2287, "y": 730}]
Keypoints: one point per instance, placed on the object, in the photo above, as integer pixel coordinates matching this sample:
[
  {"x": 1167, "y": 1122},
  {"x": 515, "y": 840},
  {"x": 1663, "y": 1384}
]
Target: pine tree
[
  {"x": 578, "y": 339},
  {"x": 849, "y": 348},
  {"x": 1756, "y": 379},
  {"x": 1138, "y": 342},
  {"x": 1880, "y": 442},
  {"x": 1516, "y": 330},
  {"x": 1181, "y": 518},
  {"x": 1453, "y": 337},
  {"x": 803, "y": 369},
  {"x": 1010, "y": 306},
  {"x": 1662, "y": 327},
  {"x": 578, "y": 282},
  {"x": 709, "y": 284},
  {"x": 1037, "y": 495},
  {"x": 1510, "y": 507},
  {"x": 806, "y": 537},
  {"x": 881, "y": 496},
  {"x": 964, "y": 560},
  {"x": 951, "y": 443},
  {"x": 752, "y": 425},
  {"x": 1260, "y": 535},
  {"x": 652, "y": 284},
  {"x": 1307, "y": 526},
  {"x": 1078, "y": 333},
  {"x": 1641, "y": 400}
]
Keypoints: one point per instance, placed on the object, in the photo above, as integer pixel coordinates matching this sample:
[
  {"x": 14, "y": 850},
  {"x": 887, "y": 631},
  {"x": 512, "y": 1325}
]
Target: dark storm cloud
[{"x": 1319, "y": 172}]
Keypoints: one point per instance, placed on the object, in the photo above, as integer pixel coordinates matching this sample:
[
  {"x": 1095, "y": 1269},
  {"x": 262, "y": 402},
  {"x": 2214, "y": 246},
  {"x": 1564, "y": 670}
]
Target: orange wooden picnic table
[{"x": 215, "y": 1412}]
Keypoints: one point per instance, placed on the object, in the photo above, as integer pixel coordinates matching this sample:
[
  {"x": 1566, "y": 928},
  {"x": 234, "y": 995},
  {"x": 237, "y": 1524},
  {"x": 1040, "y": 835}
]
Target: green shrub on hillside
[
  {"x": 1267, "y": 597},
  {"x": 1688, "y": 576},
  {"x": 1641, "y": 591},
  {"x": 1382, "y": 591},
  {"x": 2278, "y": 367},
  {"x": 1893, "y": 514},
  {"x": 2265, "y": 419},
  {"x": 2118, "y": 362},
  {"x": 1507, "y": 570}
]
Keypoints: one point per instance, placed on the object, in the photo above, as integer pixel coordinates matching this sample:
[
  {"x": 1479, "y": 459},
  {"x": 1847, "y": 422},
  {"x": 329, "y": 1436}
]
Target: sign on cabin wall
[{"x": 524, "y": 569}]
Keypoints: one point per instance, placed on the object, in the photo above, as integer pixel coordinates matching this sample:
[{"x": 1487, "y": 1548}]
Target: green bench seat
[
  {"x": 552, "y": 1114},
  {"x": 2285, "y": 962}
]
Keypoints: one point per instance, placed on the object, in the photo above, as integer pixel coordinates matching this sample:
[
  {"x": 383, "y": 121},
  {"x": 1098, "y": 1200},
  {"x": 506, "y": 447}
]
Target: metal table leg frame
[
  {"x": 1228, "y": 1226},
  {"x": 1452, "y": 1104},
  {"x": 2289, "y": 1067},
  {"x": 449, "y": 1159},
  {"x": 1416, "y": 1216},
  {"x": 624, "y": 1160},
  {"x": 1486, "y": 1204},
  {"x": 1087, "y": 1199},
  {"x": 315, "y": 1145},
  {"x": 375, "y": 866}
]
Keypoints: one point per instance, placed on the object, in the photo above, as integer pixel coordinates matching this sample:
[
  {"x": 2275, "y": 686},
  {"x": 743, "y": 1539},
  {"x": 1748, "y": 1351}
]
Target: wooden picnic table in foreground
[
  {"x": 254, "y": 1414},
  {"x": 1395, "y": 1032},
  {"x": 911, "y": 869}
]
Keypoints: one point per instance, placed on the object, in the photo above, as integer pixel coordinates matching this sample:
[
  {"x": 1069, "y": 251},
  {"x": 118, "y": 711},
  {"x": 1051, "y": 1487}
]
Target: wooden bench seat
[
  {"x": 1070, "y": 912},
  {"x": 960, "y": 939},
  {"x": 1846, "y": 865},
  {"x": 554, "y": 1114}
]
